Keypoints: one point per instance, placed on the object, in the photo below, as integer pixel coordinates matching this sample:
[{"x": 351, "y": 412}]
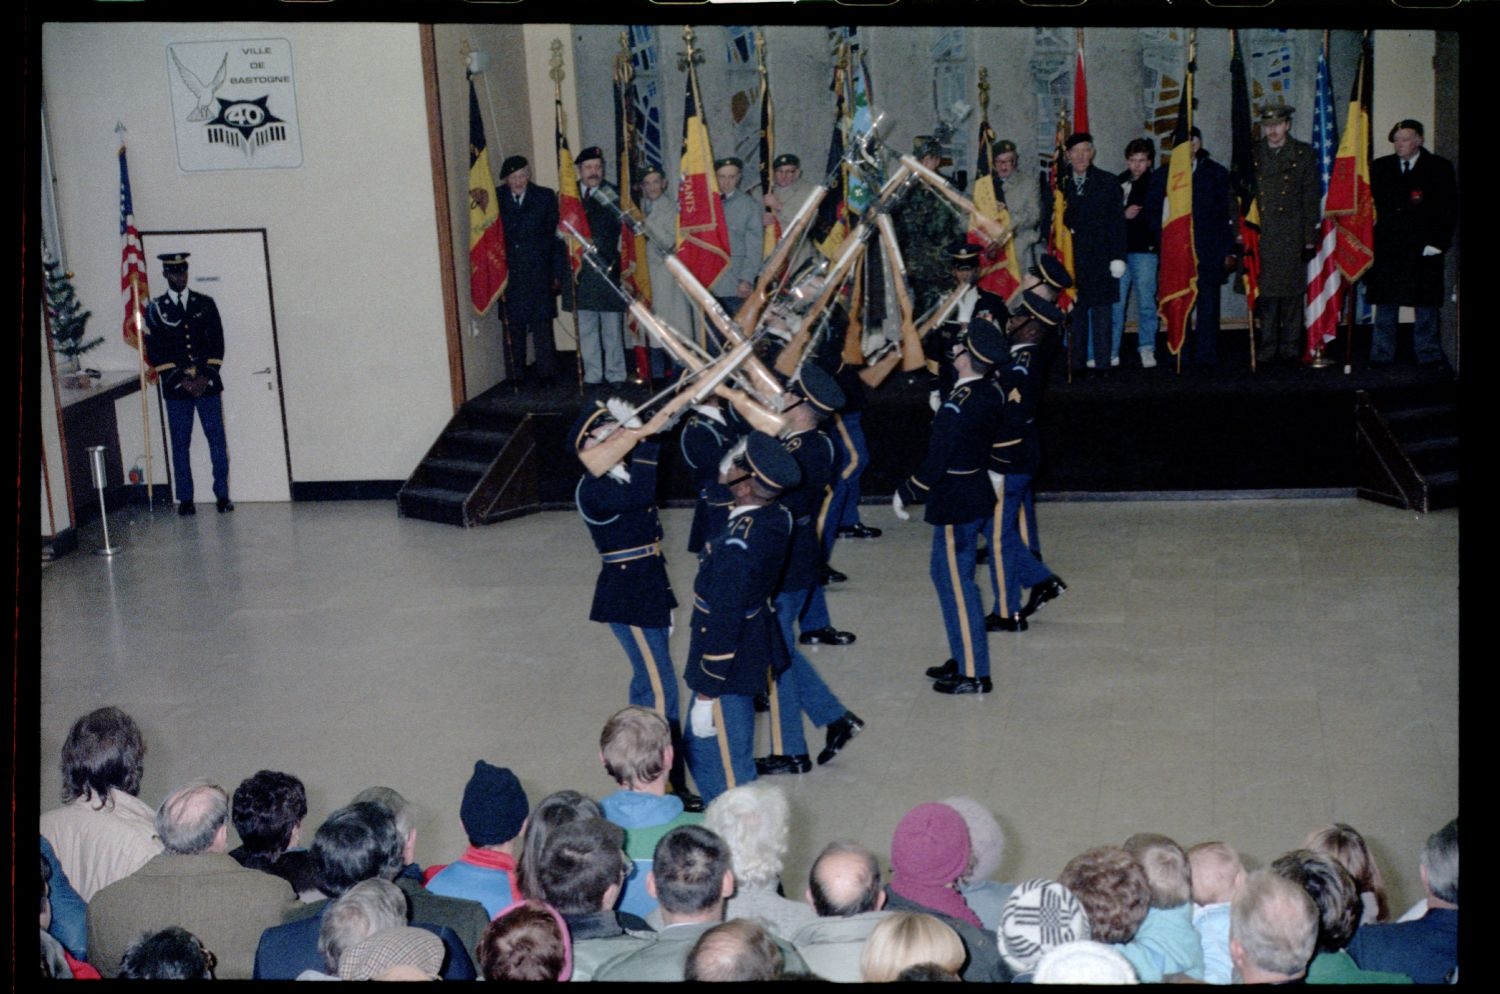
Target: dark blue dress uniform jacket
[
  {"x": 178, "y": 343},
  {"x": 632, "y": 588},
  {"x": 952, "y": 479},
  {"x": 735, "y": 637},
  {"x": 813, "y": 451},
  {"x": 704, "y": 443},
  {"x": 1016, "y": 449}
]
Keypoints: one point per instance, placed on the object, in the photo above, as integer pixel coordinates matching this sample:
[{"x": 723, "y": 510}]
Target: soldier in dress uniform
[
  {"x": 735, "y": 643},
  {"x": 952, "y": 482},
  {"x": 1014, "y": 458},
  {"x": 1287, "y": 183},
  {"x": 632, "y": 594},
  {"x": 185, "y": 346},
  {"x": 800, "y": 598},
  {"x": 938, "y": 345},
  {"x": 708, "y": 433}
]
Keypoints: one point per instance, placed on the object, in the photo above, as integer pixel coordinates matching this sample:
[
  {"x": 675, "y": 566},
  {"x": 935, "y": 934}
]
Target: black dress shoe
[
  {"x": 859, "y": 530},
  {"x": 981, "y": 555},
  {"x": 186, "y": 508},
  {"x": 225, "y": 505},
  {"x": 831, "y": 575},
  {"x": 840, "y": 731},
  {"x": 1048, "y": 590},
  {"x": 943, "y": 672},
  {"x": 762, "y": 703},
  {"x": 691, "y": 802},
  {"x": 826, "y": 636},
  {"x": 964, "y": 685},
  {"x": 997, "y": 622},
  {"x": 774, "y": 765}
]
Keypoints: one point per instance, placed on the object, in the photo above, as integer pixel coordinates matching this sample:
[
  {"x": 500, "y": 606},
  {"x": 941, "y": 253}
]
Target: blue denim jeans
[{"x": 1140, "y": 272}]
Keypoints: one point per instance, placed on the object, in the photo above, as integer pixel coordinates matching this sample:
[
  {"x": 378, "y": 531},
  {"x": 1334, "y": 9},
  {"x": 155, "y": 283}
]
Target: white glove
[
  {"x": 1431, "y": 250},
  {"x": 733, "y": 456},
  {"x": 701, "y": 718},
  {"x": 995, "y": 481},
  {"x": 934, "y": 401},
  {"x": 622, "y": 413},
  {"x": 1117, "y": 268},
  {"x": 899, "y": 508}
]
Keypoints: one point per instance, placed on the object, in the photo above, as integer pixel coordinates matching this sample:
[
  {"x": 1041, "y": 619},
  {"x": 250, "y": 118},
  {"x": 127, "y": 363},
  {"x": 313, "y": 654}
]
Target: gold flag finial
[
  {"x": 691, "y": 55},
  {"x": 760, "y": 53},
  {"x": 556, "y": 70},
  {"x": 623, "y": 68}
]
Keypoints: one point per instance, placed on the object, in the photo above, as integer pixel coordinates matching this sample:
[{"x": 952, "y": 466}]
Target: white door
[{"x": 230, "y": 267}]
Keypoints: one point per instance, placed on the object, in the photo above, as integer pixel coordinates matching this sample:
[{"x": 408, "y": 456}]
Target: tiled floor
[{"x": 1234, "y": 670}]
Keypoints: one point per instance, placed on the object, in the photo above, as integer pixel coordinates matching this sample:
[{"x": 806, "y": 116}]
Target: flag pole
[
  {"x": 557, "y": 74},
  {"x": 1319, "y": 360},
  {"x": 1192, "y": 67},
  {"x": 141, "y": 365}
]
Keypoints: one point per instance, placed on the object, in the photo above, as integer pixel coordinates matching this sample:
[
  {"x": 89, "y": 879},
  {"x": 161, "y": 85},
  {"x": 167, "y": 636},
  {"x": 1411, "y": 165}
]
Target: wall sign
[{"x": 234, "y": 105}]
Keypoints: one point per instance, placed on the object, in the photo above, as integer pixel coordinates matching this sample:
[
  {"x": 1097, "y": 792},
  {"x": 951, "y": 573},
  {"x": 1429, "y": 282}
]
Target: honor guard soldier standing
[
  {"x": 632, "y": 594},
  {"x": 735, "y": 642},
  {"x": 1015, "y": 550},
  {"x": 800, "y": 599},
  {"x": 960, "y": 499},
  {"x": 185, "y": 346},
  {"x": 938, "y": 345},
  {"x": 1286, "y": 172}
]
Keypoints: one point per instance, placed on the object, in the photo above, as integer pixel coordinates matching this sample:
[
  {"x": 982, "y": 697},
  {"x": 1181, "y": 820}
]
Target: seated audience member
[
  {"x": 192, "y": 883},
  {"x": 69, "y": 922},
  {"x": 1425, "y": 949},
  {"x": 755, "y": 821},
  {"x": 368, "y": 907},
  {"x": 929, "y": 853},
  {"x": 357, "y": 842},
  {"x": 691, "y": 879},
  {"x": 1218, "y": 876},
  {"x": 580, "y": 873},
  {"x": 467, "y": 918},
  {"x": 927, "y": 973},
  {"x": 1337, "y": 899},
  {"x": 1273, "y": 929},
  {"x": 493, "y": 812},
  {"x": 1114, "y": 892},
  {"x": 1084, "y": 962},
  {"x": 267, "y": 811},
  {"x": 1039, "y": 915},
  {"x": 526, "y": 941},
  {"x": 987, "y": 844},
  {"x": 1348, "y": 847},
  {"x": 398, "y": 953},
  {"x": 552, "y": 811},
  {"x": 57, "y": 962},
  {"x": 636, "y": 748},
  {"x": 173, "y": 953},
  {"x": 737, "y": 951},
  {"x": 905, "y": 939},
  {"x": 844, "y": 888},
  {"x": 102, "y": 832},
  {"x": 1166, "y": 943}
]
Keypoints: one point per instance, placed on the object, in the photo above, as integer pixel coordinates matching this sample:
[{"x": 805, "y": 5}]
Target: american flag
[
  {"x": 1325, "y": 285},
  {"x": 133, "y": 288}
]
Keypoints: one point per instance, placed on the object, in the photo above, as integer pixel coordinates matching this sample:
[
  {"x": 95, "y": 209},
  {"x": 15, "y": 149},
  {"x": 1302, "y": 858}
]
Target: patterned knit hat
[
  {"x": 399, "y": 946},
  {"x": 1039, "y": 915}
]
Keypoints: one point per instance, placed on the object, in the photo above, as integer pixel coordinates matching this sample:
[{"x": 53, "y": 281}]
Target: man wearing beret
[
  {"x": 493, "y": 812},
  {"x": 185, "y": 346},
  {"x": 742, "y": 216},
  {"x": 1094, "y": 215},
  {"x": 789, "y": 191},
  {"x": 1022, "y": 196},
  {"x": 1287, "y": 181},
  {"x": 536, "y": 261},
  {"x": 600, "y": 310},
  {"x": 1416, "y": 207},
  {"x": 735, "y": 643}
]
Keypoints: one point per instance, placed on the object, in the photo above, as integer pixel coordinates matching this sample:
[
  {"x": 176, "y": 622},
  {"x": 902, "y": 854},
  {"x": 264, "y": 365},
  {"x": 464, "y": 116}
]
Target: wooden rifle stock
[
  {"x": 854, "y": 333},
  {"x": 994, "y": 232},
  {"x": 766, "y": 383},
  {"x": 944, "y": 308},
  {"x": 854, "y": 249},
  {"x": 911, "y": 342},
  {"x": 875, "y": 372},
  {"x": 748, "y": 316}
]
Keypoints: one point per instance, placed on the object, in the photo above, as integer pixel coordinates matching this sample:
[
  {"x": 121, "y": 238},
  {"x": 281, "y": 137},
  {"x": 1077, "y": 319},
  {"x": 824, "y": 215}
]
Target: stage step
[
  {"x": 480, "y": 469},
  {"x": 1407, "y": 447}
]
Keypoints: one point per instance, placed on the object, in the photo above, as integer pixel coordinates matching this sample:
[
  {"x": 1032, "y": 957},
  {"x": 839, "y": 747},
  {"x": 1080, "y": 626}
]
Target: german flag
[
  {"x": 1177, "y": 286},
  {"x": 488, "y": 270},
  {"x": 1350, "y": 203}
]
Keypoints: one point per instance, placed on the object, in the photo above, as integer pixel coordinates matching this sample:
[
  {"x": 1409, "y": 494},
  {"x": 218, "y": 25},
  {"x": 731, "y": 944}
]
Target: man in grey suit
[
  {"x": 194, "y": 883},
  {"x": 742, "y": 215}
]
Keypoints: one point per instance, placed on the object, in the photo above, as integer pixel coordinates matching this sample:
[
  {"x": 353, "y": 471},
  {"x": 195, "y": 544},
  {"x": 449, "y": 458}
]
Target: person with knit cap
[
  {"x": 987, "y": 847},
  {"x": 1039, "y": 915},
  {"x": 930, "y": 852},
  {"x": 493, "y": 812}
]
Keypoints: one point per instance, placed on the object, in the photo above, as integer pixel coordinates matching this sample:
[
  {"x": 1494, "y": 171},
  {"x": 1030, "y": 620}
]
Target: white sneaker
[
  {"x": 1114, "y": 360},
  {"x": 1089, "y": 364},
  {"x": 1148, "y": 358}
]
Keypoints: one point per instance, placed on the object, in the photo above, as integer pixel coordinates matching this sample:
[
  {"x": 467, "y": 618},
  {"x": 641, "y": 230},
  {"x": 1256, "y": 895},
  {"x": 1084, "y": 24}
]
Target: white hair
[{"x": 754, "y": 821}]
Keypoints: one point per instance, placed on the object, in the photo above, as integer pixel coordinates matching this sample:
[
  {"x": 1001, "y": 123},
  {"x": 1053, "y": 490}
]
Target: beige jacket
[{"x": 98, "y": 845}]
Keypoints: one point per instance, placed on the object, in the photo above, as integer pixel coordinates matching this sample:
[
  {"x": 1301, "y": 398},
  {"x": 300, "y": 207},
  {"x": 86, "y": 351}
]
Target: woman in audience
[
  {"x": 551, "y": 811},
  {"x": 526, "y": 941},
  {"x": 1333, "y": 891},
  {"x": 1348, "y": 847},
  {"x": 987, "y": 842},
  {"x": 907, "y": 939},
  {"x": 1113, "y": 889},
  {"x": 755, "y": 821}
]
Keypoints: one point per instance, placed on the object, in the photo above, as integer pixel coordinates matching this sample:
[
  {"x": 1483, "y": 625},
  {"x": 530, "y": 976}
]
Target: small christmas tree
[{"x": 63, "y": 311}]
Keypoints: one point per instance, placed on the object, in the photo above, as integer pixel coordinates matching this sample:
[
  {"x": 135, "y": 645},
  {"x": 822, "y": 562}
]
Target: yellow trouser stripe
[
  {"x": 660, "y": 707},
  {"x": 958, "y": 600},
  {"x": 997, "y": 558},
  {"x": 723, "y": 734}
]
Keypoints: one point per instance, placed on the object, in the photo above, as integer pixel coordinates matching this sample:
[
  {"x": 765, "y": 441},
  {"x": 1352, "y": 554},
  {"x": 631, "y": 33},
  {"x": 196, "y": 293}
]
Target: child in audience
[
  {"x": 1218, "y": 876},
  {"x": 1166, "y": 943}
]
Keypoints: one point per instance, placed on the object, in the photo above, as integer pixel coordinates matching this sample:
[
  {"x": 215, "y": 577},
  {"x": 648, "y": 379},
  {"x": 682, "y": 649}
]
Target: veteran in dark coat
[
  {"x": 1416, "y": 208},
  {"x": 535, "y": 258},
  {"x": 1092, "y": 213},
  {"x": 1287, "y": 176}
]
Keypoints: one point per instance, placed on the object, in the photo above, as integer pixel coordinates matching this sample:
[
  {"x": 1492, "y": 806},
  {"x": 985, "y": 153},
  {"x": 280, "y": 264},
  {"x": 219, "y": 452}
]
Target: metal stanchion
[{"x": 101, "y": 480}]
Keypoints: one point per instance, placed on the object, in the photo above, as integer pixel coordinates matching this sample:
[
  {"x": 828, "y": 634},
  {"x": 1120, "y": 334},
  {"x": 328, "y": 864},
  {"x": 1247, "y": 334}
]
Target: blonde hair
[
  {"x": 634, "y": 745},
  {"x": 1166, "y": 866},
  {"x": 907, "y": 939},
  {"x": 1215, "y": 868}
]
